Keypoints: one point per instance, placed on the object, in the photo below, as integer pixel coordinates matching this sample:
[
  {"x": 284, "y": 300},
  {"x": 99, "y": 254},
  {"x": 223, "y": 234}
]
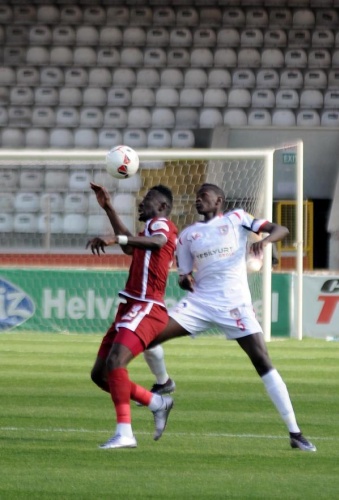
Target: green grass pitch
[{"x": 224, "y": 438}]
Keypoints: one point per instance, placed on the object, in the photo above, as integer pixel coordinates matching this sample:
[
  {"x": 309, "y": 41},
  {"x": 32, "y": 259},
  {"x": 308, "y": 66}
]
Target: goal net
[{"x": 48, "y": 213}]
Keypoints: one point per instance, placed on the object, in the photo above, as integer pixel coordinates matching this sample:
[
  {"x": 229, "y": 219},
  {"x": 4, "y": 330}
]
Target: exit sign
[{"x": 289, "y": 158}]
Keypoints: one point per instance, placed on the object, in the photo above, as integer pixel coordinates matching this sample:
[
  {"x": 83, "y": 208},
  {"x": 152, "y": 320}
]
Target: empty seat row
[
  {"x": 158, "y": 57},
  {"x": 182, "y": 137},
  {"x": 76, "y": 202},
  {"x": 71, "y": 223},
  {"x": 123, "y": 107},
  {"x": 124, "y": 15},
  {"x": 77, "y": 87},
  {"x": 113, "y": 36}
]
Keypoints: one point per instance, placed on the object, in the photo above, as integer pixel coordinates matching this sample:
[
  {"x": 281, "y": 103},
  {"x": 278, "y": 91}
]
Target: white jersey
[{"x": 216, "y": 252}]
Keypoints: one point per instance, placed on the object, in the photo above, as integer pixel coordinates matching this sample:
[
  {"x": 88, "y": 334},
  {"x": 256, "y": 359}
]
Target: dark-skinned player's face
[
  {"x": 151, "y": 205},
  {"x": 207, "y": 201}
]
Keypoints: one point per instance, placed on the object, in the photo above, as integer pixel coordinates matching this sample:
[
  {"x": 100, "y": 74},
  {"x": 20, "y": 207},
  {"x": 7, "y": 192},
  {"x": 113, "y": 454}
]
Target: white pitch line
[{"x": 180, "y": 434}]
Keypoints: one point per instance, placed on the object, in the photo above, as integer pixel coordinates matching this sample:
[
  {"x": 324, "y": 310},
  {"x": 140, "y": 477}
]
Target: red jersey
[{"x": 149, "y": 269}]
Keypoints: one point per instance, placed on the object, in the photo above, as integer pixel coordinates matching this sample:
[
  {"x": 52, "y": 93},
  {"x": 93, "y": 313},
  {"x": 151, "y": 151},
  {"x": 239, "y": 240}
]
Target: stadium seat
[
  {"x": 99, "y": 77},
  {"x": 214, "y": 98},
  {"x": 74, "y": 224},
  {"x": 12, "y": 138},
  {"x": 299, "y": 38},
  {"x": 142, "y": 97},
  {"x": 139, "y": 117},
  {"x": 76, "y": 202},
  {"x": 190, "y": 97},
  {"x": 46, "y": 96},
  {"x": 204, "y": 37},
  {"x": 86, "y": 138},
  {"x": 178, "y": 58},
  {"x": 16, "y": 35},
  {"x": 283, "y": 118},
  {"x": 159, "y": 138},
  {"x": 239, "y": 98},
  {"x": 225, "y": 57},
  {"x": 210, "y": 16},
  {"x": 157, "y": 36},
  {"x": 219, "y": 78},
  {"x": 251, "y": 37},
  {"x": 327, "y": 18},
  {"x": 61, "y": 138},
  {"x": 79, "y": 180},
  {"x": 124, "y": 77},
  {"x": 275, "y": 38},
  {"x": 235, "y": 117},
  {"x": 315, "y": 79},
  {"x": 291, "y": 79},
  {"x": 40, "y": 35},
  {"x": 36, "y": 138},
  {"x": 95, "y": 15},
  {"x": 76, "y": 77},
  {"x": 134, "y": 36},
  {"x": 134, "y": 137},
  {"x": 6, "y": 202},
  {"x": 210, "y": 118},
  {"x": 308, "y": 118},
  {"x": 3, "y": 116},
  {"x": 234, "y": 17},
  {"x": 303, "y": 18},
  {"x": 272, "y": 58},
  {"x": 43, "y": 117},
  {"x": 141, "y": 15},
  {"x": 25, "y": 223},
  {"x": 162, "y": 118},
  {"x": 186, "y": 118},
  {"x": 201, "y": 58},
  {"x": 164, "y": 16},
  {"x": 98, "y": 224},
  {"x": 323, "y": 38},
  {"x": 118, "y": 15},
  {"x": 108, "y": 56},
  {"x": 31, "y": 180},
  {"x": 259, "y": 118},
  {"x": 228, "y": 37},
  {"x": 333, "y": 79},
  {"x": 7, "y": 76},
  {"x": 331, "y": 99},
  {"x": 26, "y": 202},
  {"x": 183, "y": 139},
  {"x": 71, "y": 14},
  {"x": 115, "y": 117},
  {"x": 110, "y": 36},
  {"x": 6, "y": 222},
  {"x": 287, "y": 98},
  {"x": 9, "y": 180},
  {"x": 148, "y": 77},
  {"x": 63, "y": 35},
  {"x": 47, "y": 14},
  {"x": 263, "y": 98},
  {"x": 67, "y": 117},
  {"x": 92, "y": 96},
  {"x": 27, "y": 76},
  {"x": 109, "y": 138},
  {"x": 195, "y": 78},
  {"x": 131, "y": 57},
  {"x": 329, "y": 118},
  {"x": 21, "y": 96},
  {"x": 320, "y": 58},
  {"x": 172, "y": 77},
  {"x": 50, "y": 223},
  {"x": 243, "y": 78},
  {"x": 118, "y": 97},
  {"x": 155, "y": 57},
  {"x": 82, "y": 57},
  {"x": 256, "y": 17},
  {"x": 249, "y": 58},
  {"x": 51, "y": 76},
  {"x": 311, "y": 98},
  {"x": 187, "y": 16},
  {"x": 51, "y": 202},
  {"x": 166, "y": 96},
  {"x": 38, "y": 56},
  {"x": 295, "y": 58},
  {"x": 56, "y": 179},
  {"x": 125, "y": 203},
  {"x": 91, "y": 117}
]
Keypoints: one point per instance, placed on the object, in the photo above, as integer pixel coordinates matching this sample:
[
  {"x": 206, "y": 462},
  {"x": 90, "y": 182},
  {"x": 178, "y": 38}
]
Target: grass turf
[{"x": 224, "y": 440}]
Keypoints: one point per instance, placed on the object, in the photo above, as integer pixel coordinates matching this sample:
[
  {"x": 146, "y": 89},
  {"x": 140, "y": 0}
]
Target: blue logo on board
[{"x": 16, "y": 306}]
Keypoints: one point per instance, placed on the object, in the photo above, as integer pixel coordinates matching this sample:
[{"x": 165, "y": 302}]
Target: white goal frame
[{"x": 97, "y": 155}]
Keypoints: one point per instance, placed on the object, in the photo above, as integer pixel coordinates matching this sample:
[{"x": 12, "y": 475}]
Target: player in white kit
[{"x": 211, "y": 257}]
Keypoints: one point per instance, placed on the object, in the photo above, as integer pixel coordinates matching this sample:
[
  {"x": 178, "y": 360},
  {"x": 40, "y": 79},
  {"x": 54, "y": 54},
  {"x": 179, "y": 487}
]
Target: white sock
[
  {"x": 124, "y": 430},
  {"x": 155, "y": 358},
  {"x": 156, "y": 402},
  {"x": 278, "y": 393}
]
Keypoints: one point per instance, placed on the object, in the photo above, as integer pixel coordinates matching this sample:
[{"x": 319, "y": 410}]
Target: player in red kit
[{"x": 142, "y": 315}]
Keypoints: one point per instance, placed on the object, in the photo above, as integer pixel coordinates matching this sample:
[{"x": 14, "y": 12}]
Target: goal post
[{"x": 245, "y": 175}]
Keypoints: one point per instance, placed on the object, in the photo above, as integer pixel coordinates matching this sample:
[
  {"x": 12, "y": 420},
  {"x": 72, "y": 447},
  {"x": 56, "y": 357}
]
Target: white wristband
[{"x": 122, "y": 239}]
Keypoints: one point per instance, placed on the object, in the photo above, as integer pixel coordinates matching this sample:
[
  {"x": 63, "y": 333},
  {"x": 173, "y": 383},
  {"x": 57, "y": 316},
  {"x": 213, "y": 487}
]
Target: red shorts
[{"x": 139, "y": 323}]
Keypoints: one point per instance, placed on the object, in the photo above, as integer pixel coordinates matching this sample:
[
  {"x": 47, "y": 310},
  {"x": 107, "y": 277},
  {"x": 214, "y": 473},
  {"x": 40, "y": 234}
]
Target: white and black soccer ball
[{"x": 122, "y": 162}]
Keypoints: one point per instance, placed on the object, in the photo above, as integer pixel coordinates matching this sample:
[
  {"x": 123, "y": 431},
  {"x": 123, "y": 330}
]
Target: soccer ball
[{"x": 122, "y": 162}]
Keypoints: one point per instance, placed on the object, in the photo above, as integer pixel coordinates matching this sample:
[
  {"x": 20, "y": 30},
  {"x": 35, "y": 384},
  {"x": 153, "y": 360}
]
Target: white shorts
[{"x": 197, "y": 318}]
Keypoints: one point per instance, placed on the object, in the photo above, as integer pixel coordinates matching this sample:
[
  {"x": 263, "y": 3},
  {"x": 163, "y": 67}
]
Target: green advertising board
[{"x": 85, "y": 300}]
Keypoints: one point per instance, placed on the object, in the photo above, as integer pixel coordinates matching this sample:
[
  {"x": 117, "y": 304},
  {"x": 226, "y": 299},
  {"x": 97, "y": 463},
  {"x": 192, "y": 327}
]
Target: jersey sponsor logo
[
  {"x": 159, "y": 224},
  {"x": 16, "y": 306},
  {"x": 216, "y": 252}
]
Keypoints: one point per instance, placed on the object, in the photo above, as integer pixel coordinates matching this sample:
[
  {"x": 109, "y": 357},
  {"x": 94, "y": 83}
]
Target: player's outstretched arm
[{"x": 275, "y": 233}]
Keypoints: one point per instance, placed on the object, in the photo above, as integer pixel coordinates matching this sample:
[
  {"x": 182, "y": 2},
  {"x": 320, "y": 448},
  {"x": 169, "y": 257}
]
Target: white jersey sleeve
[{"x": 185, "y": 260}]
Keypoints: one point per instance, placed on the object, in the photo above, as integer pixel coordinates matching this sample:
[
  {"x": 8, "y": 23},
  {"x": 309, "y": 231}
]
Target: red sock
[
  {"x": 140, "y": 394},
  {"x": 120, "y": 389}
]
